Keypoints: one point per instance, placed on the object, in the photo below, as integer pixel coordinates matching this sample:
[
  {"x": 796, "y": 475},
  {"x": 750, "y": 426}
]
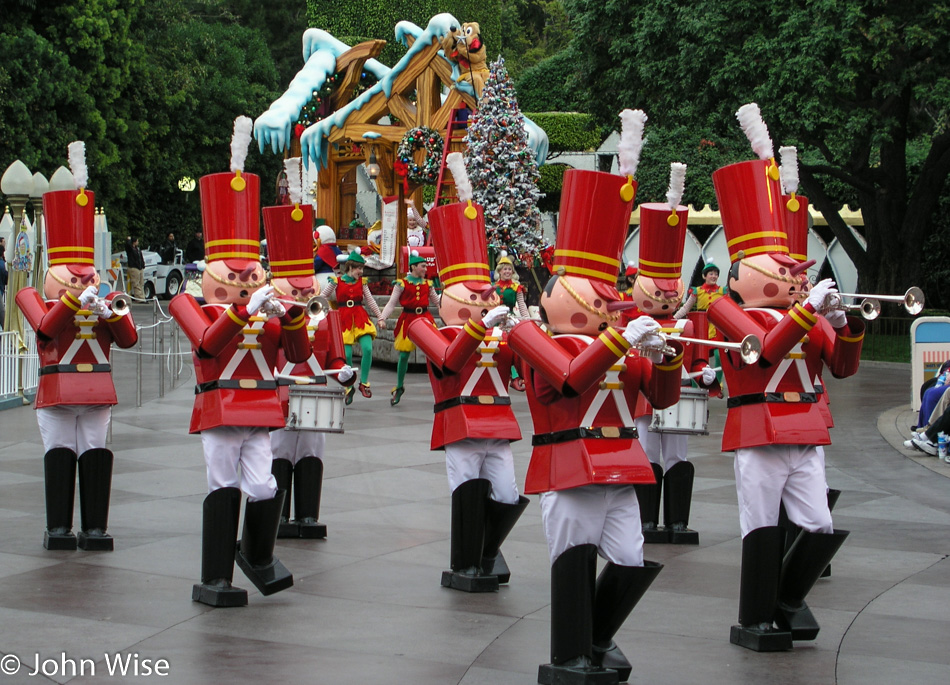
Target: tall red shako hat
[
  {"x": 750, "y": 197},
  {"x": 289, "y": 231},
  {"x": 230, "y": 206},
  {"x": 663, "y": 233},
  {"x": 795, "y": 206},
  {"x": 595, "y": 214},
  {"x": 70, "y": 216},
  {"x": 458, "y": 235}
]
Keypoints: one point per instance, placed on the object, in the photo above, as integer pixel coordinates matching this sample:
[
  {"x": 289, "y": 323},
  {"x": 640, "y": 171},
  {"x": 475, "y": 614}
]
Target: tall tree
[{"x": 860, "y": 86}]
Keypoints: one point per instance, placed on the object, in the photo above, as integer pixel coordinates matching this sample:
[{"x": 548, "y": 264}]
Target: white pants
[
  {"x": 773, "y": 474},
  {"x": 604, "y": 515},
  {"x": 295, "y": 445},
  {"x": 78, "y": 427},
  {"x": 665, "y": 449},
  {"x": 473, "y": 458},
  {"x": 227, "y": 446}
]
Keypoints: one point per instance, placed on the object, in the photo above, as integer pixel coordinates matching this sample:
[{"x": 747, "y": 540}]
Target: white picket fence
[{"x": 19, "y": 365}]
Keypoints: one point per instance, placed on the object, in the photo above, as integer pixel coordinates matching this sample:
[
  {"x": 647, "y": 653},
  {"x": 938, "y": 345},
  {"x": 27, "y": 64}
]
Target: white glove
[
  {"x": 638, "y": 329},
  {"x": 709, "y": 376},
  {"x": 818, "y": 295},
  {"x": 496, "y": 316},
  {"x": 837, "y": 318},
  {"x": 346, "y": 373},
  {"x": 88, "y": 297},
  {"x": 258, "y": 299}
]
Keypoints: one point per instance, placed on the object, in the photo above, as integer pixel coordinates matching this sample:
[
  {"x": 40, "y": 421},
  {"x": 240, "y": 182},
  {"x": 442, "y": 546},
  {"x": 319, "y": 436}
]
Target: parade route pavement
[{"x": 367, "y": 606}]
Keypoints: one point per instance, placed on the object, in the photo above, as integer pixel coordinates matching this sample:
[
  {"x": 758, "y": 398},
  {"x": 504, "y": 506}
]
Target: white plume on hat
[
  {"x": 240, "y": 140},
  {"x": 750, "y": 119},
  {"x": 632, "y": 122},
  {"x": 463, "y": 185},
  {"x": 77, "y": 163},
  {"x": 294, "y": 179},
  {"x": 677, "y": 184},
  {"x": 789, "y": 168}
]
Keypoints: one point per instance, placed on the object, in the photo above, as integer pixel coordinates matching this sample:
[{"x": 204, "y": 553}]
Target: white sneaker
[
  {"x": 909, "y": 443},
  {"x": 925, "y": 446}
]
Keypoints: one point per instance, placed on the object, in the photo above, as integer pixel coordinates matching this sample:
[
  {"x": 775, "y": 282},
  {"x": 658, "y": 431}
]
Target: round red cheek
[
  {"x": 465, "y": 314},
  {"x": 62, "y": 292},
  {"x": 579, "y": 320},
  {"x": 770, "y": 290},
  {"x": 647, "y": 305},
  {"x": 221, "y": 293}
]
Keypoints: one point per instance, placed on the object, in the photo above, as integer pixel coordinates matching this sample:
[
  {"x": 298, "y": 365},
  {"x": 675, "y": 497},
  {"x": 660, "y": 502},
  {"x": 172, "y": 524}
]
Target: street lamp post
[
  {"x": 17, "y": 185},
  {"x": 40, "y": 186}
]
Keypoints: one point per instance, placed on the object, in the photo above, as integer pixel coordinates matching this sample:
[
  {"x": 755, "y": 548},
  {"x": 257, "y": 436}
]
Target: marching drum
[
  {"x": 688, "y": 416},
  {"x": 315, "y": 408}
]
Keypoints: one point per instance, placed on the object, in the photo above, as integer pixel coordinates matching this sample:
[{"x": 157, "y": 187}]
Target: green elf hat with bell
[
  {"x": 414, "y": 259},
  {"x": 710, "y": 267}
]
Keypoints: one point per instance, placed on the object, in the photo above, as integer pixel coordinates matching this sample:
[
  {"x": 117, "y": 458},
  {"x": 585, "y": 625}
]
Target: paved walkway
[{"x": 367, "y": 607}]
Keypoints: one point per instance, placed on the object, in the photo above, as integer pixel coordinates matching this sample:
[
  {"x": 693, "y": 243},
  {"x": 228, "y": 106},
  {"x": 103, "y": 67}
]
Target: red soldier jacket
[
  {"x": 774, "y": 400},
  {"x": 234, "y": 356},
  {"x": 469, "y": 369},
  {"x": 327, "y": 353},
  {"x": 581, "y": 391},
  {"x": 74, "y": 347}
]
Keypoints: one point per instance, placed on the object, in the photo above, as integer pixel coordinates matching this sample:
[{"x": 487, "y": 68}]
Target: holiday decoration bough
[{"x": 428, "y": 139}]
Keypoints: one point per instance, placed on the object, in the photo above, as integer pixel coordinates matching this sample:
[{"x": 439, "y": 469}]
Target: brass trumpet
[
  {"x": 314, "y": 306},
  {"x": 749, "y": 348},
  {"x": 870, "y": 306},
  {"x": 120, "y": 304}
]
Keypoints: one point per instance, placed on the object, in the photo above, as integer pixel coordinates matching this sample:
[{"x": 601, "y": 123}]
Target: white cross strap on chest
[
  {"x": 795, "y": 358},
  {"x": 249, "y": 345},
  {"x": 89, "y": 339},
  {"x": 487, "y": 348},
  {"x": 611, "y": 387}
]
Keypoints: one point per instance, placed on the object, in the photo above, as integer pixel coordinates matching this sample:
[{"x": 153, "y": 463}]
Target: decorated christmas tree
[{"x": 503, "y": 170}]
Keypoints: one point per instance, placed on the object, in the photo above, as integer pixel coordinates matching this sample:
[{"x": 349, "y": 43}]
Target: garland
[{"x": 428, "y": 139}]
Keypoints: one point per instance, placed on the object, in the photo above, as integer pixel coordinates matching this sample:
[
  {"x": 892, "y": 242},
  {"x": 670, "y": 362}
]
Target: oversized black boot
[
  {"x": 572, "y": 615},
  {"x": 758, "y": 592},
  {"x": 648, "y": 496},
  {"x": 833, "y": 496},
  {"x": 677, "y": 496},
  {"x": 219, "y": 529},
  {"x": 255, "y": 552},
  {"x": 619, "y": 589},
  {"x": 792, "y": 530},
  {"x": 499, "y": 520},
  {"x": 468, "y": 539},
  {"x": 803, "y": 565},
  {"x": 283, "y": 472},
  {"x": 59, "y": 468},
  {"x": 308, "y": 474},
  {"x": 95, "y": 489}
]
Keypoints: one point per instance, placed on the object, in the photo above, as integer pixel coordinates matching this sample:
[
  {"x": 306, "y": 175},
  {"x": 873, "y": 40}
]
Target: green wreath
[{"x": 428, "y": 139}]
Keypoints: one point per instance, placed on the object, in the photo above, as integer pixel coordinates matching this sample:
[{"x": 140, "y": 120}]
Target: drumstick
[
  {"x": 700, "y": 373},
  {"x": 304, "y": 380}
]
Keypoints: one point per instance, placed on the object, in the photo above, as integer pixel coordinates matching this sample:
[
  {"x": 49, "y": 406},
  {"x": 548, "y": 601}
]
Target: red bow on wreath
[
  {"x": 402, "y": 169},
  {"x": 547, "y": 258},
  {"x": 298, "y": 130}
]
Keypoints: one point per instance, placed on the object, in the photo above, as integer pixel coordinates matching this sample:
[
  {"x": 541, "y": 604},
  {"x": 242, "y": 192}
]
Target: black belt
[
  {"x": 583, "y": 434},
  {"x": 235, "y": 384},
  {"x": 348, "y": 303},
  {"x": 74, "y": 368},
  {"x": 485, "y": 400},
  {"x": 313, "y": 380},
  {"x": 772, "y": 397},
  {"x": 414, "y": 310}
]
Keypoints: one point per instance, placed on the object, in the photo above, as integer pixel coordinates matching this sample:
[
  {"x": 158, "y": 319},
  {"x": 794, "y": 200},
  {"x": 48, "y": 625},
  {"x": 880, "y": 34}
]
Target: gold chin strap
[
  {"x": 583, "y": 303},
  {"x": 222, "y": 281},
  {"x": 770, "y": 274},
  {"x": 661, "y": 300},
  {"x": 298, "y": 298},
  {"x": 62, "y": 282},
  {"x": 492, "y": 302}
]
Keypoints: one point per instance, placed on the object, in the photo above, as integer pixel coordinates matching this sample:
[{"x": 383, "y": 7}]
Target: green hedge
[
  {"x": 567, "y": 131},
  {"x": 546, "y": 87}
]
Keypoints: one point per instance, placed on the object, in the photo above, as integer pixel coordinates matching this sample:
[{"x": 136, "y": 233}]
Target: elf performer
[
  {"x": 75, "y": 329},
  {"x": 351, "y": 294},
  {"x": 325, "y": 254},
  {"x": 469, "y": 363},
  {"x": 774, "y": 424},
  {"x": 581, "y": 390},
  {"x": 415, "y": 294},
  {"x": 235, "y": 340},
  {"x": 512, "y": 295},
  {"x": 657, "y": 291},
  {"x": 298, "y": 454}
]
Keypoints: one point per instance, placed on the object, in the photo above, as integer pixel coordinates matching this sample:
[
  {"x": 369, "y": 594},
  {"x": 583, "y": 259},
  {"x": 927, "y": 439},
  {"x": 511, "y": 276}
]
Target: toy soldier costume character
[
  {"x": 586, "y": 459},
  {"x": 75, "y": 329},
  {"x": 235, "y": 341},
  {"x": 774, "y": 424},
  {"x": 469, "y": 364}
]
